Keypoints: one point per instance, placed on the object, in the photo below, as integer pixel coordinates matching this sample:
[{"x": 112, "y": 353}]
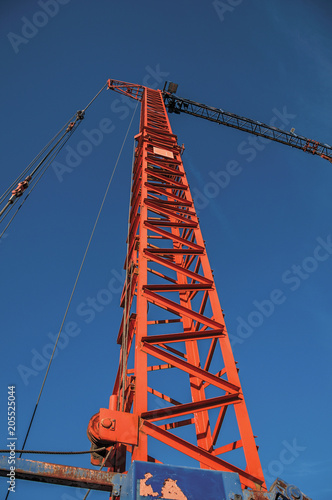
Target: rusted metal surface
[
  {"x": 61, "y": 474},
  {"x": 256, "y": 495},
  {"x": 281, "y": 489}
]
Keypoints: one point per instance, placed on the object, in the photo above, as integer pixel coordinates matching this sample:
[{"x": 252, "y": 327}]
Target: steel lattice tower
[{"x": 173, "y": 335}]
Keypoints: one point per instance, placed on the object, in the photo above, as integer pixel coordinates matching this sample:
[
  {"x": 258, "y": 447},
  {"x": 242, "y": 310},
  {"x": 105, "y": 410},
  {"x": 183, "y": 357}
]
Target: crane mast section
[
  {"x": 177, "y": 382},
  {"x": 179, "y": 105}
]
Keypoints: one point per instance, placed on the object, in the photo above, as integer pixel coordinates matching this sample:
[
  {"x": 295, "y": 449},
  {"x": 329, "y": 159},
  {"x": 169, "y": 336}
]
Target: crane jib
[{"x": 178, "y": 105}]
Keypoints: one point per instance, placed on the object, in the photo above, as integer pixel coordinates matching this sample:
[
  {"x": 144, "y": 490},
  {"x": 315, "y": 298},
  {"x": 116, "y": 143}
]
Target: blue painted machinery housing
[{"x": 148, "y": 481}]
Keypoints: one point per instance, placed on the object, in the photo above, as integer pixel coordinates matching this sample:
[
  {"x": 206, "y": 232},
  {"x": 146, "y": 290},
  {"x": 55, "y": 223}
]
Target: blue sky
[{"x": 268, "y": 231}]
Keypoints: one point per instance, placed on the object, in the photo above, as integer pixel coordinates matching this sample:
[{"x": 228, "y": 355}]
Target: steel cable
[
  {"x": 76, "y": 281},
  {"x": 50, "y": 361},
  {"x": 33, "y": 185},
  {"x": 33, "y": 162},
  {"x": 124, "y": 340},
  {"x": 77, "y": 118},
  {"x": 42, "y": 452}
]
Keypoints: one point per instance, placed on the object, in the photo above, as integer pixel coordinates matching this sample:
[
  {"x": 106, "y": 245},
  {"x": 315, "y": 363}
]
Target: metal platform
[{"x": 148, "y": 481}]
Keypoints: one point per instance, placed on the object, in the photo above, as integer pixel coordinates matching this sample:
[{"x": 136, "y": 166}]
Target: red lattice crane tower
[
  {"x": 177, "y": 381},
  {"x": 177, "y": 386}
]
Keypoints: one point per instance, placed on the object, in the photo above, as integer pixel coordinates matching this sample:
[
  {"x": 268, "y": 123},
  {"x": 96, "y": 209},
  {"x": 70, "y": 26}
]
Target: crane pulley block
[
  {"x": 111, "y": 426},
  {"x": 21, "y": 187}
]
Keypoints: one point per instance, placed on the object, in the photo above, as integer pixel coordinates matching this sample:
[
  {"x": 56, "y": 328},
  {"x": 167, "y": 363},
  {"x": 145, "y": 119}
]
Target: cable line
[
  {"x": 102, "y": 465},
  {"x": 23, "y": 179},
  {"x": 126, "y": 311},
  {"x": 95, "y": 97},
  {"x": 42, "y": 452},
  {"x": 76, "y": 281},
  {"x": 33, "y": 185},
  {"x": 24, "y": 184},
  {"x": 25, "y": 171},
  {"x": 70, "y": 127}
]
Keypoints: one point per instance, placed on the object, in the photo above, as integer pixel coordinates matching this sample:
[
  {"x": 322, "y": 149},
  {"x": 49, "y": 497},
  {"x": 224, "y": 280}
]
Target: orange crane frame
[
  {"x": 169, "y": 286},
  {"x": 172, "y": 319}
]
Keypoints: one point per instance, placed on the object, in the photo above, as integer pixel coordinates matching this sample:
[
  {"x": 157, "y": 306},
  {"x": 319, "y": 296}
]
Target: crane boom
[{"x": 175, "y": 104}]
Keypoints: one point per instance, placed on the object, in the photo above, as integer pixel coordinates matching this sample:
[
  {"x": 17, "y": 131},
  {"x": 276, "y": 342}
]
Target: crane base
[{"x": 146, "y": 481}]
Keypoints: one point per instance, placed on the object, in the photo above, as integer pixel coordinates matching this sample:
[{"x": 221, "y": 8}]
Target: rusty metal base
[
  {"x": 62, "y": 474},
  {"x": 146, "y": 480}
]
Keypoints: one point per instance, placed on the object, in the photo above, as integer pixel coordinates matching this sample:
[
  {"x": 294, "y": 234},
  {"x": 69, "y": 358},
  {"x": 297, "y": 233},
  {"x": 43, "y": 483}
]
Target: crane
[
  {"x": 173, "y": 329},
  {"x": 179, "y": 105}
]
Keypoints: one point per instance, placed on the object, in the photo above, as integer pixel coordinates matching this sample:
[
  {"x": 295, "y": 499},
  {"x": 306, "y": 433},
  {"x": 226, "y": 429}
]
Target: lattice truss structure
[{"x": 177, "y": 375}]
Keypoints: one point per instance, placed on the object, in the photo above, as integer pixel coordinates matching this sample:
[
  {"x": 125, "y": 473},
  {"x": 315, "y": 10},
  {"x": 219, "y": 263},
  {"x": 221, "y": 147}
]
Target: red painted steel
[
  {"x": 172, "y": 315},
  {"x": 65, "y": 475}
]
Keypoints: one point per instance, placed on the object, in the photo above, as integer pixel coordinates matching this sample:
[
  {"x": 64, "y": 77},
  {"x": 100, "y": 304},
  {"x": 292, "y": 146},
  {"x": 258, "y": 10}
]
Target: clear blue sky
[{"x": 264, "y": 60}]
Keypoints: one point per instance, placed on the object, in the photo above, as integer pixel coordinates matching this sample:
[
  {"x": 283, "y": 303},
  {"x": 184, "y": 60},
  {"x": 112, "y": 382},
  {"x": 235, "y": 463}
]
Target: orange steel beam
[
  {"x": 208, "y": 459},
  {"x": 179, "y": 325},
  {"x": 187, "y": 408}
]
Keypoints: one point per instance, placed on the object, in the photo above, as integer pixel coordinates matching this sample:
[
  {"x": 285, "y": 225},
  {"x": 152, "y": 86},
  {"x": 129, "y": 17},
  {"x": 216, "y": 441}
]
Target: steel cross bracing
[
  {"x": 177, "y": 381},
  {"x": 176, "y": 104}
]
